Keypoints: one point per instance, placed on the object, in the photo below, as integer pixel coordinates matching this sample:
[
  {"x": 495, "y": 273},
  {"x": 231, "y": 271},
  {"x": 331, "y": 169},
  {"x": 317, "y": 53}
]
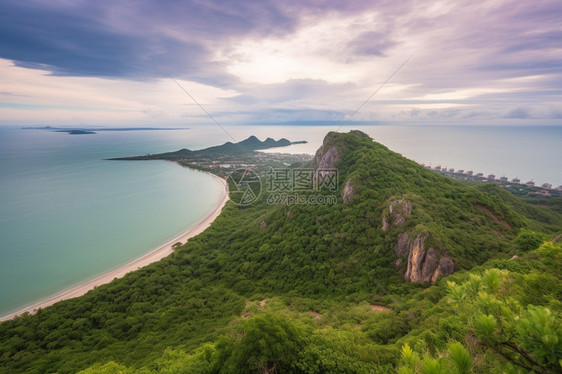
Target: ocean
[{"x": 67, "y": 215}]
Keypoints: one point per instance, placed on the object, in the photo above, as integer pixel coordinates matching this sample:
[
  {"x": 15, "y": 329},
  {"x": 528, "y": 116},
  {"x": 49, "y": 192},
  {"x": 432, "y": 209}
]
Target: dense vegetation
[
  {"x": 481, "y": 321},
  {"x": 313, "y": 289}
]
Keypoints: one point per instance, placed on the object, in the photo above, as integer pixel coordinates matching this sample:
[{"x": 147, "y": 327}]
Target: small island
[
  {"x": 89, "y": 131},
  {"x": 77, "y": 132}
]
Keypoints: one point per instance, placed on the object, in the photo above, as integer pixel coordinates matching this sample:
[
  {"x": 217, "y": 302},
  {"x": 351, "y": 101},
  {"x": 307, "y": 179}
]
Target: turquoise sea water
[{"x": 66, "y": 215}]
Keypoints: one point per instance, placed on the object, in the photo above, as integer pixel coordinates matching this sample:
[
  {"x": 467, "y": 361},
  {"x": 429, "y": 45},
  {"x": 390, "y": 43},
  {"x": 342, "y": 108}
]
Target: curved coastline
[{"x": 152, "y": 256}]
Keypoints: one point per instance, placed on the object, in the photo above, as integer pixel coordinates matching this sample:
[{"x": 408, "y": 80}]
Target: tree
[
  {"x": 455, "y": 360},
  {"x": 528, "y": 240},
  {"x": 529, "y": 337},
  {"x": 265, "y": 344}
]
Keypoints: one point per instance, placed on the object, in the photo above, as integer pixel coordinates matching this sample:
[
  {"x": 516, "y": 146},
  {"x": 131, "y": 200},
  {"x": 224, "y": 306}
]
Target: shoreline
[{"x": 148, "y": 258}]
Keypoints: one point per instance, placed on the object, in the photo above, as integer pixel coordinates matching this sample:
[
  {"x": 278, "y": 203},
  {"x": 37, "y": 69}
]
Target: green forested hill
[
  {"x": 541, "y": 218},
  {"x": 314, "y": 288}
]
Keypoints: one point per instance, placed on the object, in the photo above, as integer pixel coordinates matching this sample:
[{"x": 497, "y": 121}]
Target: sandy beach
[{"x": 153, "y": 256}]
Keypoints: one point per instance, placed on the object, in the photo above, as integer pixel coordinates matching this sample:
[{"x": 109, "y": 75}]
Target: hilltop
[
  {"x": 434, "y": 224},
  {"x": 312, "y": 287}
]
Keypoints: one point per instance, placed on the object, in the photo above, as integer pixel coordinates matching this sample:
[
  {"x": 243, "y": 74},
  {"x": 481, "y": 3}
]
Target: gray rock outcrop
[
  {"x": 398, "y": 210},
  {"x": 348, "y": 193},
  {"x": 326, "y": 158},
  {"x": 424, "y": 265}
]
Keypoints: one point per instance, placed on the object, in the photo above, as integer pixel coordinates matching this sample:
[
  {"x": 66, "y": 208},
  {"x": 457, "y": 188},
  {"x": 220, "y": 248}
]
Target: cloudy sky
[{"x": 68, "y": 62}]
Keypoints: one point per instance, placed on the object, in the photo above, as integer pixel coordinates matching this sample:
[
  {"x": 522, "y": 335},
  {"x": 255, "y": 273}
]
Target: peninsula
[
  {"x": 245, "y": 146},
  {"x": 221, "y": 160}
]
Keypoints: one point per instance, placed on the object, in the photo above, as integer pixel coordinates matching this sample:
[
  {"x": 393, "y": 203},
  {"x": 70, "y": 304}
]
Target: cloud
[
  {"x": 372, "y": 43},
  {"x": 117, "y": 39},
  {"x": 273, "y": 115},
  {"x": 472, "y": 60},
  {"x": 64, "y": 42},
  {"x": 65, "y": 100},
  {"x": 518, "y": 113}
]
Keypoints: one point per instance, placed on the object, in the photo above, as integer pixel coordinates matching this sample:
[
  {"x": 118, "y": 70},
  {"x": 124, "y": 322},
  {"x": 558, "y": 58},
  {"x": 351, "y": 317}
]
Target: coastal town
[
  {"x": 258, "y": 162},
  {"x": 515, "y": 185}
]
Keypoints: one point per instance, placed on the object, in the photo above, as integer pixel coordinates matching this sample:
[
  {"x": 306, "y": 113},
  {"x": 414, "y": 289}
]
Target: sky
[{"x": 121, "y": 63}]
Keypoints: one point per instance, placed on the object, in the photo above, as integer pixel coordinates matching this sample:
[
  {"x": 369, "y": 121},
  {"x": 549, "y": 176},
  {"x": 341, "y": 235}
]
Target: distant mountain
[
  {"x": 40, "y": 128},
  {"x": 245, "y": 146}
]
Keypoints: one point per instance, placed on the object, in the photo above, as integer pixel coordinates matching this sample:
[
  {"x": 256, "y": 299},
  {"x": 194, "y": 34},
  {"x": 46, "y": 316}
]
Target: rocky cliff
[
  {"x": 326, "y": 157},
  {"x": 418, "y": 263},
  {"x": 423, "y": 265},
  {"x": 398, "y": 210},
  {"x": 348, "y": 192}
]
